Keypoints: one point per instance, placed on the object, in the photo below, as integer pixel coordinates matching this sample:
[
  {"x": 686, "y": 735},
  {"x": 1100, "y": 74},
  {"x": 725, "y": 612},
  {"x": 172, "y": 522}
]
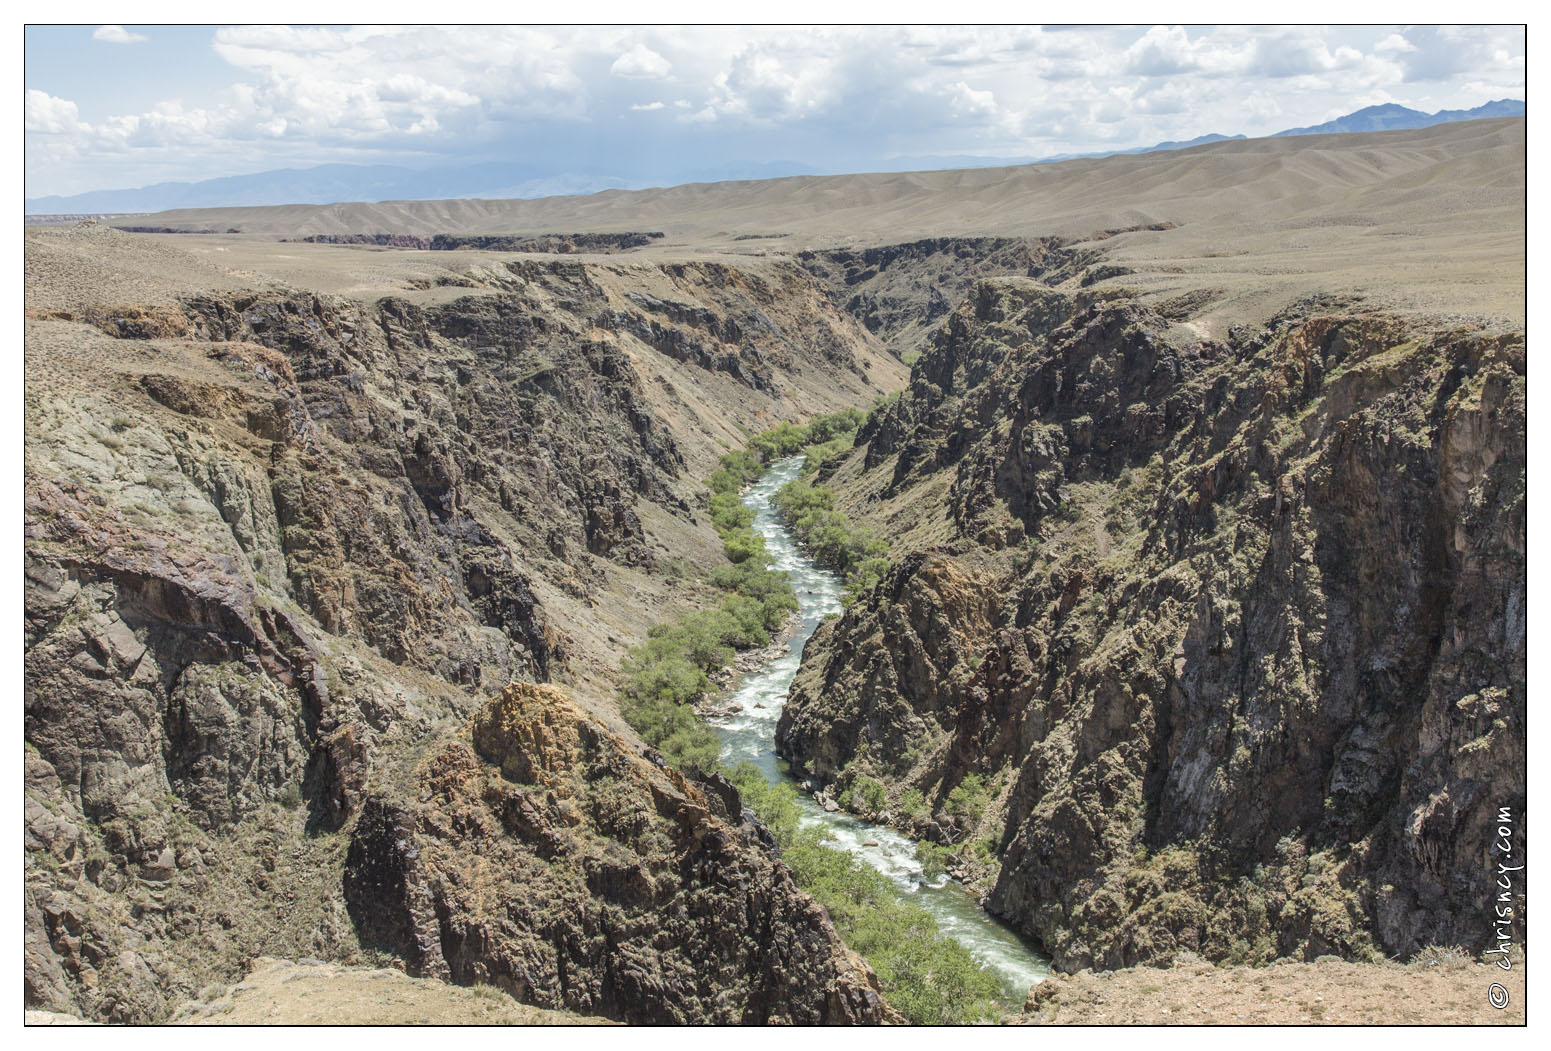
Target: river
[{"x": 749, "y": 734}]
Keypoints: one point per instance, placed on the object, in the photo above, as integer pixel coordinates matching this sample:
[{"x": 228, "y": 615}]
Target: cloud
[
  {"x": 967, "y": 102},
  {"x": 641, "y": 63},
  {"x": 117, "y": 35},
  {"x": 1302, "y": 55},
  {"x": 1438, "y": 53},
  {"x": 835, "y": 98},
  {"x": 1164, "y": 51},
  {"x": 47, "y": 115}
]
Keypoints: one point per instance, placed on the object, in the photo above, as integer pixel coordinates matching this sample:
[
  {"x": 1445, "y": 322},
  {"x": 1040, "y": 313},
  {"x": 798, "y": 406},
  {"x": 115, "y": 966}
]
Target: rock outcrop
[
  {"x": 544, "y": 857},
  {"x": 1232, "y": 634},
  {"x": 555, "y": 244},
  {"x": 902, "y": 292}
]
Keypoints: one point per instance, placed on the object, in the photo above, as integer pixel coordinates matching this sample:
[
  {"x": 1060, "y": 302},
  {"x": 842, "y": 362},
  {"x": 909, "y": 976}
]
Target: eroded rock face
[
  {"x": 275, "y": 539},
  {"x": 1252, "y": 677},
  {"x": 550, "y": 860},
  {"x": 901, "y": 292}
]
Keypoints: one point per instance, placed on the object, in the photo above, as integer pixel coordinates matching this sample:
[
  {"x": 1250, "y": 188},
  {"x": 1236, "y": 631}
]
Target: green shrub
[
  {"x": 933, "y": 858},
  {"x": 969, "y": 799},
  {"x": 666, "y": 679},
  {"x": 728, "y": 514},
  {"x": 741, "y": 547},
  {"x": 865, "y": 795},
  {"x": 866, "y": 573},
  {"x": 882, "y": 402},
  {"x": 814, "y": 456},
  {"x": 836, "y": 425}
]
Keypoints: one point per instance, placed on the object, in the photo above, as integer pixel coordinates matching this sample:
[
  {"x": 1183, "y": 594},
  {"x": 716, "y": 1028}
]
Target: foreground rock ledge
[
  {"x": 545, "y": 858},
  {"x": 311, "y": 992}
]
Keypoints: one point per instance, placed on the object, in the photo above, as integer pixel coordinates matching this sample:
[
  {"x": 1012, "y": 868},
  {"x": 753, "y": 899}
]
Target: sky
[{"x": 125, "y": 106}]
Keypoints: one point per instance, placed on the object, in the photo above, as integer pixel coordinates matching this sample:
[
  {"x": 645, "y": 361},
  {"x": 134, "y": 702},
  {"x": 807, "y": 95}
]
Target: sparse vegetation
[{"x": 1446, "y": 957}]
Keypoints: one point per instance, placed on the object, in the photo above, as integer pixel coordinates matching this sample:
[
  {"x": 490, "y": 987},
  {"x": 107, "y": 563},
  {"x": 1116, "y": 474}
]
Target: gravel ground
[{"x": 1326, "y": 992}]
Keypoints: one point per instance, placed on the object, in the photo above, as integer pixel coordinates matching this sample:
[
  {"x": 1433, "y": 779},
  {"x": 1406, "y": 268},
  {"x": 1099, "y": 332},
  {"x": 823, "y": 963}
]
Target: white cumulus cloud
[
  {"x": 117, "y": 35},
  {"x": 48, "y": 115},
  {"x": 641, "y": 63}
]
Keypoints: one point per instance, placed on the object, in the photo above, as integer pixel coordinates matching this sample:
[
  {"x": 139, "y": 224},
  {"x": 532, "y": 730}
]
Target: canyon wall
[
  {"x": 282, "y": 544},
  {"x": 1225, "y": 640}
]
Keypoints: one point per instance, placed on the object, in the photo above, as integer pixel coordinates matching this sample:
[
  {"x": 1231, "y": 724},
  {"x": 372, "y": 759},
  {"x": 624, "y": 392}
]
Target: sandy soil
[
  {"x": 279, "y": 992},
  {"x": 1326, "y": 992}
]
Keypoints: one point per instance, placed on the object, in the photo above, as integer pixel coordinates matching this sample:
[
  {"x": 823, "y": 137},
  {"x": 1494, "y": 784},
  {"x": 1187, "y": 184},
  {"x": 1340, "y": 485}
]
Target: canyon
[{"x": 1203, "y": 478}]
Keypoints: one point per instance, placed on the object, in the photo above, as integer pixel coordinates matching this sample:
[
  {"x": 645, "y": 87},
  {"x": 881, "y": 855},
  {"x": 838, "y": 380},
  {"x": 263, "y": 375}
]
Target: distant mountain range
[
  {"x": 1391, "y": 117},
  {"x": 328, "y": 183}
]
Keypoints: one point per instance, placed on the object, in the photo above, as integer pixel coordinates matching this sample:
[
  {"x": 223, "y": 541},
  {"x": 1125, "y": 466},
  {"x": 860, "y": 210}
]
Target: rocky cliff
[
  {"x": 279, "y": 541},
  {"x": 1223, "y": 641},
  {"x": 545, "y": 857}
]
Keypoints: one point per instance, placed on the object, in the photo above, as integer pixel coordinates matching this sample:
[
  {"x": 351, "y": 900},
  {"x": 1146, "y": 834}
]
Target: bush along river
[{"x": 747, "y": 730}]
